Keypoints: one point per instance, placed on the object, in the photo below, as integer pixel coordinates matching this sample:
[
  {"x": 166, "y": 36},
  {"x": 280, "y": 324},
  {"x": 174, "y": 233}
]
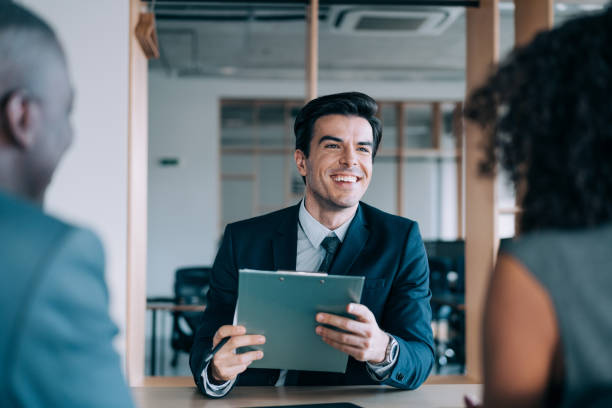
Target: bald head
[
  {"x": 27, "y": 44},
  {"x": 35, "y": 102}
]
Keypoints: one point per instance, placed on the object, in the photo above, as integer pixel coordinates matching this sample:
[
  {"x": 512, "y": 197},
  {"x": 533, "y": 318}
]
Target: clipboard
[{"x": 282, "y": 306}]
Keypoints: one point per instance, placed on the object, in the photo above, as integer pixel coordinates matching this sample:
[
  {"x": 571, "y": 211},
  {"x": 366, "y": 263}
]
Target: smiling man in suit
[{"x": 389, "y": 340}]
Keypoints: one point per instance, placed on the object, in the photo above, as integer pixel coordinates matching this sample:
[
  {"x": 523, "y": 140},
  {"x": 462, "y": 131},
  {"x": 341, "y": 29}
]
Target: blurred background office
[{"x": 222, "y": 100}]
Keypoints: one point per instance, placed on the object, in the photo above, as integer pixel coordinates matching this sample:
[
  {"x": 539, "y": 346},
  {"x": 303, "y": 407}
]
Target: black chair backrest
[
  {"x": 191, "y": 285},
  {"x": 439, "y": 266},
  {"x": 448, "y": 250}
]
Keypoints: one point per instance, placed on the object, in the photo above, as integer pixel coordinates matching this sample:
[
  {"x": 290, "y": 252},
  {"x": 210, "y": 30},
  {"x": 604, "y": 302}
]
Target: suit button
[{"x": 399, "y": 376}]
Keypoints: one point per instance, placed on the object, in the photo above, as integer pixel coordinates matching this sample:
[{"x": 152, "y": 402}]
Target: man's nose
[{"x": 348, "y": 158}]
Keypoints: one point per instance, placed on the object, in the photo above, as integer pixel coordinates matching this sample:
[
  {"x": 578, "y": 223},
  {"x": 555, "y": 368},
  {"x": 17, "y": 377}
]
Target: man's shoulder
[
  {"x": 29, "y": 237},
  {"x": 21, "y": 220},
  {"x": 37, "y": 255},
  {"x": 266, "y": 222}
]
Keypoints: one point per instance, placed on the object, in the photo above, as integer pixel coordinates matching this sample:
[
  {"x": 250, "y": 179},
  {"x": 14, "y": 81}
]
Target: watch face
[{"x": 392, "y": 350}]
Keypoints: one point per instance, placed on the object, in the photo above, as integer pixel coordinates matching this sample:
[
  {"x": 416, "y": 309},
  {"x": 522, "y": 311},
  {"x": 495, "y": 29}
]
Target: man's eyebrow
[
  {"x": 337, "y": 139},
  {"x": 332, "y": 138}
]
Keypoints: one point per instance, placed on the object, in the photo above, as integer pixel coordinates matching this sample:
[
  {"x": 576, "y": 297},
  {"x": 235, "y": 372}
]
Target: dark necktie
[{"x": 330, "y": 244}]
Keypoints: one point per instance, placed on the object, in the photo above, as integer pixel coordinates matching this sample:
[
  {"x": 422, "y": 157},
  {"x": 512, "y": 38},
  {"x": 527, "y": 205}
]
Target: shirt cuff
[
  {"x": 380, "y": 372},
  {"x": 214, "y": 390}
]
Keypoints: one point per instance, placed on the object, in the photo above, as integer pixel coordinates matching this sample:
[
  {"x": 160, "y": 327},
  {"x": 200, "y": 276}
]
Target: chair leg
[{"x": 174, "y": 361}]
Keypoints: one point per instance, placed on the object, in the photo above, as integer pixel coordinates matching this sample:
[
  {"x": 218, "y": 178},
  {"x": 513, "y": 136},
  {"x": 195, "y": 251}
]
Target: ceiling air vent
[{"x": 417, "y": 22}]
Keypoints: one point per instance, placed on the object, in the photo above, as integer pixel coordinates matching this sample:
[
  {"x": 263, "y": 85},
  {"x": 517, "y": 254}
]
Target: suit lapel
[
  {"x": 284, "y": 242},
  {"x": 354, "y": 241}
]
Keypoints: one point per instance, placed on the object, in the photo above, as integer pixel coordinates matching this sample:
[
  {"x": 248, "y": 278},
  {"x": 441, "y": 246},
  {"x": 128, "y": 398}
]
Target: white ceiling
[{"x": 276, "y": 49}]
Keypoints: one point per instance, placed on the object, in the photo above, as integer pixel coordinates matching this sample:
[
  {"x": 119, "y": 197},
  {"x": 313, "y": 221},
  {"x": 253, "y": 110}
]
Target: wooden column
[
  {"x": 480, "y": 214},
  {"x": 460, "y": 149},
  {"x": 312, "y": 50},
  {"x": 436, "y": 125},
  {"x": 137, "y": 205},
  {"x": 530, "y": 17},
  {"x": 288, "y": 158},
  {"x": 399, "y": 117}
]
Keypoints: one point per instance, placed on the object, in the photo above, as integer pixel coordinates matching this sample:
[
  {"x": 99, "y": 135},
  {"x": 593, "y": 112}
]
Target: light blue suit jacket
[{"x": 55, "y": 331}]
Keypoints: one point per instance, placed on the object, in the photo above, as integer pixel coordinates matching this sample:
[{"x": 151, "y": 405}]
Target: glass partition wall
[
  {"x": 258, "y": 173},
  {"x": 420, "y": 147}
]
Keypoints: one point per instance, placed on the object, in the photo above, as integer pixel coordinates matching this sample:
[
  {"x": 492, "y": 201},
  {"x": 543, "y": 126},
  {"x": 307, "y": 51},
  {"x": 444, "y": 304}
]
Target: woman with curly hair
[{"x": 548, "y": 320}]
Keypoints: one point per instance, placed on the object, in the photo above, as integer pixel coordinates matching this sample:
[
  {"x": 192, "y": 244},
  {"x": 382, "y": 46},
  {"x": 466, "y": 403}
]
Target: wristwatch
[{"x": 390, "y": 352}]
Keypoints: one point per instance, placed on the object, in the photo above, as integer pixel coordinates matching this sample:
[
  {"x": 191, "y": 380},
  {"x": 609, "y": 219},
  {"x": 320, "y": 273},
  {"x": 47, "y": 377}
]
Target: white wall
[
  {"x": 184, "y": 123},
  {"x": 183, "y": 200},
  {"x": 90, "y": 186}
]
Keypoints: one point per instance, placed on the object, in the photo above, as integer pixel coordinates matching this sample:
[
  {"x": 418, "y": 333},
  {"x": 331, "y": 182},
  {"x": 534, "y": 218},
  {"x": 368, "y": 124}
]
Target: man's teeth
[{"x": 350, "y": 179}]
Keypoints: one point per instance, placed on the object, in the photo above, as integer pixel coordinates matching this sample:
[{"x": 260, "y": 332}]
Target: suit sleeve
[
  {"x": 220, "y": 306},
  {"x": 65, "y": 350},
  {"x": 407, "y": 316}
]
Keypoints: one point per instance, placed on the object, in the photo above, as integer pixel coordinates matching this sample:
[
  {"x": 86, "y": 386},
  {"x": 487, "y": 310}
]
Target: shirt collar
[{"x": 315, "y": 231}]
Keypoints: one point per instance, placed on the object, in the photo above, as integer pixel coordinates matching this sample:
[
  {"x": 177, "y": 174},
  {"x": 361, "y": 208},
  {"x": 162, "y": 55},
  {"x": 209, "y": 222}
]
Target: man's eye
[
  {"x": 332, "y": 146},
  {"x": 364, "y": 149}
]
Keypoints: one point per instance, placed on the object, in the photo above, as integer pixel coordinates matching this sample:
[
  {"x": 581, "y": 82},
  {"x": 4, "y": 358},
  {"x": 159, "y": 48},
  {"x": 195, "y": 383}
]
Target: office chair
[
  {"x": 190, "y": 288},
  {"x": 439, "y": 267},
  {"x": 448, "y": 320},
  {"x": 448, "y": 251}
]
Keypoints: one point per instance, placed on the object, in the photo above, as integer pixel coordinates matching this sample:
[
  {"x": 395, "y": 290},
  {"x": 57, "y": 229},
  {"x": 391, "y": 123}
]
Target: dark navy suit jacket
[{"x": 384, "y": 248}]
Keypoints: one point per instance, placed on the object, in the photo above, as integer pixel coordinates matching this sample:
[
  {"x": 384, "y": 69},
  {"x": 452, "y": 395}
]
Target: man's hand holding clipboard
[
  {"x": 360, "y": 338},
  {"x": 226, "y": 363}
]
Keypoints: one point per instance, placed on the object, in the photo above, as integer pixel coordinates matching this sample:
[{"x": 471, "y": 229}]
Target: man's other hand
[
  {"x": 362, "y": 338},
  {"x": 226, "y": 364}
]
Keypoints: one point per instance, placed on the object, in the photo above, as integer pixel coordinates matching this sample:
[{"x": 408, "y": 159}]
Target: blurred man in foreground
[{"x": 56, "y": 334}]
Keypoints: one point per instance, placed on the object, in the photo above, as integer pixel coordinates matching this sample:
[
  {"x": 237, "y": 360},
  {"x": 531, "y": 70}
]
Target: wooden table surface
[{"x": 439, "y": 396}]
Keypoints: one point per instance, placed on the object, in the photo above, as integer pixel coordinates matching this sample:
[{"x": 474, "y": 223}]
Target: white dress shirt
[{"x": 310, "y": 255}]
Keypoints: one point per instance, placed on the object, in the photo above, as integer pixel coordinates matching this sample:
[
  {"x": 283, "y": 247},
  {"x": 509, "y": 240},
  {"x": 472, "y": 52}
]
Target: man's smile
[{"x": 345, "y": 178}]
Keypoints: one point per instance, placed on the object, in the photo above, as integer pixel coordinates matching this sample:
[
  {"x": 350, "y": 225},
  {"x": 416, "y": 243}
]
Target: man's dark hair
[
  {"x": 347, "y": 104},
  {"x": 548, "y": 113}
]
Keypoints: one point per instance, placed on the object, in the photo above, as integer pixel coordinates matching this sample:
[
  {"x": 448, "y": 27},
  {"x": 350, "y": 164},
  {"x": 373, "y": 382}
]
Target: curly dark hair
[{"x": 548, "y": 113}]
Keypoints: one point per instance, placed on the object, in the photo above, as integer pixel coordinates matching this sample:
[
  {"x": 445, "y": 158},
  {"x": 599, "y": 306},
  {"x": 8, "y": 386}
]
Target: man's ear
[
  {"x": 20, "y": 115},
  {"x": 300, "y": 162}
]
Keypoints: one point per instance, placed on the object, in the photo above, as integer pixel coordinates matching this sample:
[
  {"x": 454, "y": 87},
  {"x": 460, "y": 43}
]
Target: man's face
[{"x": 339, "y": 166}]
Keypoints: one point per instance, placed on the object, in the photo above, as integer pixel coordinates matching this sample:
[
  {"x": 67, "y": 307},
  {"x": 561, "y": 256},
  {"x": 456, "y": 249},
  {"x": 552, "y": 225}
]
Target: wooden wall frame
[
  {"x": 480, "y": 212},
  {"x": 530, "y": 17},
  {"x": 138, "y": 138},
  {"x": 481, "y": 205},
  {"x": 312, "y": 50},
  {"x": 399, "y": 117},
  {"x": 399, "y": 153}
]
